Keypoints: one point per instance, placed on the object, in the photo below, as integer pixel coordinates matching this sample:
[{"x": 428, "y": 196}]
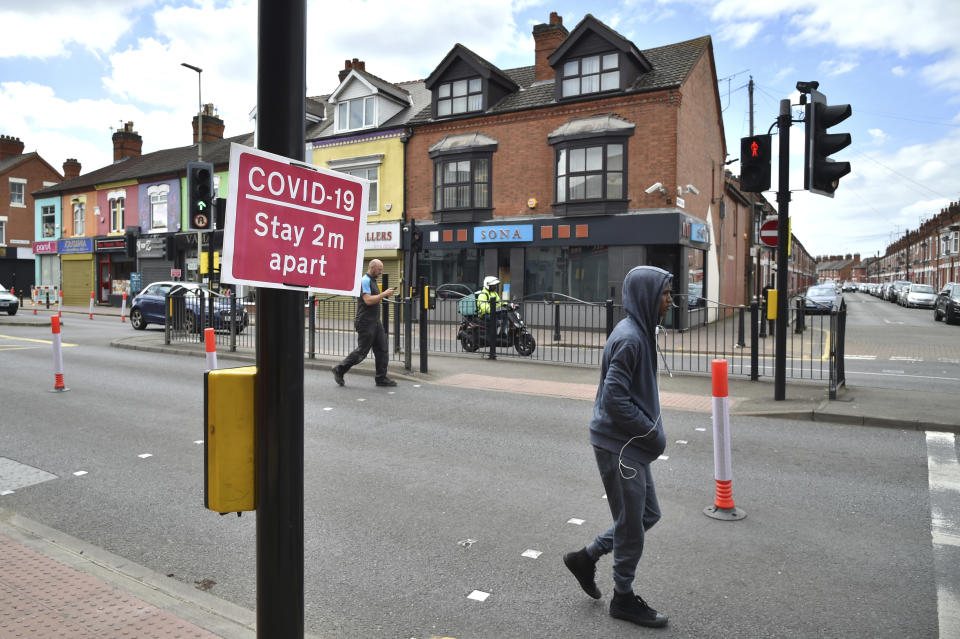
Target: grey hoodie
[{"x": 628, "y": 401}]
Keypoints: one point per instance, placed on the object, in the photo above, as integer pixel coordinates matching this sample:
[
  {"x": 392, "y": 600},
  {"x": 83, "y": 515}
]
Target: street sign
[
  {"x": 293, "y": 226},
  {"x": 768, "y": 232}
]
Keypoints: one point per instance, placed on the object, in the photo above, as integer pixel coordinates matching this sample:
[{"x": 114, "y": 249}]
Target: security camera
[
  {"x": 656, "y": 186},
  {"x": 692, "y": 189}
]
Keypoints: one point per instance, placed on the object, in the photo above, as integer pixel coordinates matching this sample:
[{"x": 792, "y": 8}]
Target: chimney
[
  {"x": 212, "y": 125},
  {"x": 126, "y": 143},
  {"x": 349, "y": 65},
  {"x": 546, "y": 39},
  {"x": 10, "y": 147},
  {"x": 71, "y": 169}
]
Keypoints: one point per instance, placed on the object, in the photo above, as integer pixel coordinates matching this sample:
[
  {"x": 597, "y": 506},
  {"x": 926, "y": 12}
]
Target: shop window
[
  {"x": 452, "y": 266},
  {"x": 459, "y": 96},
  {"x": 356, "y": 114},
  {"x": 48, "y": 220},
  {"x": 158, "y": 206},
  {"x": 577, "y": 271},
  {"x": 591, "y": 74},
  {"x": 18, "y": 188},
  {"x": 3, "y": 232},
  {"x": 79, "y": 216},
  {"x": 696, "y": 280}
]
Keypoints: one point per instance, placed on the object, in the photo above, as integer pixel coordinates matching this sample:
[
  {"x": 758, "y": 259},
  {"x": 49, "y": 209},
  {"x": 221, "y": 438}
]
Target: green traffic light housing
[
  {"x": 200, "y": 195},
  {"x": 821, "y": 173}
]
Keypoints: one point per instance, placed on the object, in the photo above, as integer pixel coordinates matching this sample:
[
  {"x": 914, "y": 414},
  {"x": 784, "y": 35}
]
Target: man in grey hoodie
[{"x": 627, "y": 435}]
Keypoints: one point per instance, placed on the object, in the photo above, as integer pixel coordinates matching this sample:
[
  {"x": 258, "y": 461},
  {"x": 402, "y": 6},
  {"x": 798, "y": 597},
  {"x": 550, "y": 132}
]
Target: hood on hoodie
[{"x": 642, "y": 289}]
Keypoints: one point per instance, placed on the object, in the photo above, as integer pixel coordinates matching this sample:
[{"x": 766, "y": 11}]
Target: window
[
  {"x": 371, "y": 175},
  {"x": 356, "y": 114},
  {"x": 452, "y": 266},
  {"x": 577, "y": 271},
  {"x": 79, "y": 216},
  {"x": 592, "y": 74},
  {"x": 18, "y": 187},
  {"x": 3, "y": 231},
  {"x": 158, "y": 206},
  {"x": 462, "y": 184},
  {"x": 116, "y": 202},
  {"x": 48, "y": 220},
  {"x": 590, "y": 173},
  {"x": 459, "y": 96}
]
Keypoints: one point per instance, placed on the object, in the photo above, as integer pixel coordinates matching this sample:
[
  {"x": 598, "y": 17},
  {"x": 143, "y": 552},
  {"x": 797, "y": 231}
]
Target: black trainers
[
  {"x": 584, "y": 569},
  {"x": 337, "y": 375},
  {"x": 385, "y": 381},
  {"x": 630, "y": 607}
]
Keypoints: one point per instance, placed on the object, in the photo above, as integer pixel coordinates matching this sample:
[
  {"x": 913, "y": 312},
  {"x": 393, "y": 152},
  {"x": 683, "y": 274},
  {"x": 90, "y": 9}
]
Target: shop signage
[
  {"x": 48, "y": 247},
  {"x": 382, "y": 237},
  {"x": 176, "y": 273},
  {"x": 293, "y": 226},
  {"x": 136, "y": 281},
  {"x": 77, "y": 245},
  {"x": 111, "y": 244},
  {"x": 512, "y": 233},
  {"x": 150, "y": 246},
  {"x": 699, "y": 233}
]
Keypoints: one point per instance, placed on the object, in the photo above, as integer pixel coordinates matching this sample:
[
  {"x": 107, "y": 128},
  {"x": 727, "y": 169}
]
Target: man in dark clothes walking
[
  {"x": 370, "y": 333},
  {"x": 627, "y": 435}
]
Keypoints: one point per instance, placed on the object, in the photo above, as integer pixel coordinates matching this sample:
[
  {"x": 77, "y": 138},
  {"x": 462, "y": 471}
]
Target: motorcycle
[{"x": 513, "y": 331}]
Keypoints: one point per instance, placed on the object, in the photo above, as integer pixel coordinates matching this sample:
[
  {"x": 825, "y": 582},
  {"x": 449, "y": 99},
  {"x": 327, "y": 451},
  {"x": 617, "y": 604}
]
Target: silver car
[
  {"x": 8, "y": 302},
  {"x": 919, "y": 296}
]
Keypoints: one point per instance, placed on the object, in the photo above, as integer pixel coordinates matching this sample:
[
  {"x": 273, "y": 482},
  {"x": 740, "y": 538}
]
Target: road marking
[
  {"x": 897, "y": 358},
  {"x": 948, "y": 360},
  {"x": 31, "y": 340},
  {"x": 532, "y": 554},
  {"x": 681, "y": 441},
  {"x": 866, "y": 357},
  {"x": 902, "y": 374},
  {"x": 944, "y": 478},
  {"x": 198, "y": 441},
  {"x": 575, "y": 521},
  {"x": 80, "y": 473},
  {"x": 144, "y": 455},
  {"x": 889, "y": 322},
  {"x": 478, "y": 595},
  {"x": 664, "y": 457}
]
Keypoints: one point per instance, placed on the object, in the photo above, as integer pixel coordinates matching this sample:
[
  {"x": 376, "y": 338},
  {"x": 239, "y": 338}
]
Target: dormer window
[
  {"x": 356, "y": 114},
  {"x": 591, "y": 74},
  {"x": 459, "y": 96}
]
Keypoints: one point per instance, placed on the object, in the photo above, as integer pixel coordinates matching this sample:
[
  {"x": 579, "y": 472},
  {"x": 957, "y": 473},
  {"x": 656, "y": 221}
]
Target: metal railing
[{"x": 566, "y": 330}]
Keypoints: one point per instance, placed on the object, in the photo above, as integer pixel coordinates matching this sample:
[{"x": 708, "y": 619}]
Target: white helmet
[{"x": 490, "y": 281}]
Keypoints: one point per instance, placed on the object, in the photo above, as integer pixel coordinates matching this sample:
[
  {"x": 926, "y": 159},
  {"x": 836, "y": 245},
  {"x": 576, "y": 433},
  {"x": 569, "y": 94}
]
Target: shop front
[
  {"x": 47, "y": 269},
  {"x": 113, "y": 270},
  {"x": 16, "y": 269},
  {"x": 155, "y": 259},
  {"x": 382, "y": 242},
  {"x": 76, "y": 270},
  {"x": 585, "y": 258}
]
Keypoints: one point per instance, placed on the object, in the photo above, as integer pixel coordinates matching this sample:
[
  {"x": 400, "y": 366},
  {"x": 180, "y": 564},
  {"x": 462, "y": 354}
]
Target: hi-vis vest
[{"x": 484, "y": 299}]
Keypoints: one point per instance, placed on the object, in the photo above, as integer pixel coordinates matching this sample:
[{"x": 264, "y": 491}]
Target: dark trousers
[
  {"x": 635, "y": 509},
  {"x": 370, "y": 334}
]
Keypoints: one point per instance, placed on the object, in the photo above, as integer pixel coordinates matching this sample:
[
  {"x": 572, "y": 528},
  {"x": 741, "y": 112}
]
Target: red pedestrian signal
[
  {"x": 754, "y": 148},
  {"x": 755, "y": 163}
]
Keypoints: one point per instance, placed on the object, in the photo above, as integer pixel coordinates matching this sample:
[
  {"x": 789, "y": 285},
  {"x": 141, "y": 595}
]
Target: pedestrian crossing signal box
[
  {"x": 772, "y": 304},
  {"x": 229, "y": 443}
]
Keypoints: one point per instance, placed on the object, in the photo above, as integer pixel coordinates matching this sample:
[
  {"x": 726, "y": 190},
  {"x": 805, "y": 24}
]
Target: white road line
[
  {"x": 902, "y": 374},
  {"x": 944, "y": 477},
  {"x": 478, "y": 595},
  {"x": 532, "y": 554},
  {"x": 866, "y": 357},
  {"x": 898, "y": 358},
  {"x": 575, "y": 521}
]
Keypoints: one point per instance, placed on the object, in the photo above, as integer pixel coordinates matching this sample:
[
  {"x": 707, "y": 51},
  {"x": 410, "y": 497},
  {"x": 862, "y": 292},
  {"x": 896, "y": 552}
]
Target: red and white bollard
[
  {"x": 210, "y": 343},
  {"x": 36, "y": 302},
  {"x": 723, "y": 506},
  {"x": 60, "y": 305},
  {"x": 58, "y": 385},
  {"x": 123, "y": 308},
  {"x": 91, "y": 304}
]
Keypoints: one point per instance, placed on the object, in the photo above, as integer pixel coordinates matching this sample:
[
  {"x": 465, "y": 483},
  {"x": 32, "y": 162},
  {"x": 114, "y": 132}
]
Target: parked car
[
  {"x": 149, "y": 307},
  {"x": 919, "y": 296},
  {"x": 454, "y": 290},
  {"x": 8, "y": 302},
  {"x": 893, "y": 293},
  {"x": 947, "y": 305},
  {"x": 821, "y": 298},
  {"x": 849, "y": 287}
]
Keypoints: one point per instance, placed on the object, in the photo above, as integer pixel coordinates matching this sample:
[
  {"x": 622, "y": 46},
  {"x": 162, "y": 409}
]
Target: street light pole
[{"x": 199, "y": 157}]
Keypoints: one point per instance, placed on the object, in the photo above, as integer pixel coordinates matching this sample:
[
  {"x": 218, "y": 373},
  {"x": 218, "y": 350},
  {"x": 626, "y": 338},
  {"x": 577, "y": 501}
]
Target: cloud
[
  {"x": 739, "y": 33},
  {"x": 838, "y": 67},
  {"x": 898, "y": 71},
  {"x": 48, "y": 29},
  {"x": 877, "y": 135}
]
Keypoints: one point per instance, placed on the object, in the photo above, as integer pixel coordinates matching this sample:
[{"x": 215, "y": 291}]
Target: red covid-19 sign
[{"x": 292, "y": 226}]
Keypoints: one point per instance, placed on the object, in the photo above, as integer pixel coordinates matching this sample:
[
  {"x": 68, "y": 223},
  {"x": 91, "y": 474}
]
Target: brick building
[
  {"x": 561, "y": 176},
  {"x": 20, "y": 175}
]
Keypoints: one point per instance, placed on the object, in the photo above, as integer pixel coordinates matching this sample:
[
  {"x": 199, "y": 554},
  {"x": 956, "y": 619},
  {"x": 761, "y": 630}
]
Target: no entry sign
[
  {"x": 768, "y": 232},
  {"x": 292, "y": 226}
]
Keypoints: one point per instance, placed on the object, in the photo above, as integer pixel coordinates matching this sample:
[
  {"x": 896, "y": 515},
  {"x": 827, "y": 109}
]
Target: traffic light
[
  {"x": 130, "y": 244},
  {"x": 200, "y": 195},
  {"x": 416, "y": 241},
  {"x": 821, "y": 174},
  {"x": 755, "y": 163}
]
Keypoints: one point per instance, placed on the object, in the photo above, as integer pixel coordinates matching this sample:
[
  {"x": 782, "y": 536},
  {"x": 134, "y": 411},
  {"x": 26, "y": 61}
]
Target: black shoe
[
  {"x": 584, "y": 569},
  {"x": 385, "y": 381},
  {"x": 338, "y": 375},
  {"x": 632, "y": 608}
]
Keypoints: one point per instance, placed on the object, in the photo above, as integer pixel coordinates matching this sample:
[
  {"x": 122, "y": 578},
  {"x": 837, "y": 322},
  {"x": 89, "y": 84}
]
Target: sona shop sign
[{"x": 505, "y": 233}]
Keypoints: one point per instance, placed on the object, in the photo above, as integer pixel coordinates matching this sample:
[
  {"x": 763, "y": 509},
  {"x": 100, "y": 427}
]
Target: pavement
[{"x": 53, "y": 585}]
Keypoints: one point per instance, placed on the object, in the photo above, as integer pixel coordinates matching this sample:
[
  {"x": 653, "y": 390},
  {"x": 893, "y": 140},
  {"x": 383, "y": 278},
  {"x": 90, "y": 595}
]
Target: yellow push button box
[
  {"x": 229, "y": 443},
  {"x": 772, "y": 304}
]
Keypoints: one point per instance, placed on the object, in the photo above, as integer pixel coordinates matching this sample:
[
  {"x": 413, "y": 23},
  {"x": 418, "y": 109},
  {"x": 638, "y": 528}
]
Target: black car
[{"x": 947, "y": 306}]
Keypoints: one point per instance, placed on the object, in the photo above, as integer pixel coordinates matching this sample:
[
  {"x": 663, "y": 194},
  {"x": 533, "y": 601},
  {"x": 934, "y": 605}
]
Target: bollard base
[
  {"x": 724, "y": 514},
  {"x": 59, "y": 390}
]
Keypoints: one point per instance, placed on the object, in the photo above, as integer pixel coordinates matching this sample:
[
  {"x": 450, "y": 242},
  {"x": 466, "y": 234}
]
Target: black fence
[{"x": 563, "y": 329}]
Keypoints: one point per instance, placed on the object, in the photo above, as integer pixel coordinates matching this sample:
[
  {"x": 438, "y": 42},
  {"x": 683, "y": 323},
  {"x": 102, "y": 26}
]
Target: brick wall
[{"x": 20, "y": 221}]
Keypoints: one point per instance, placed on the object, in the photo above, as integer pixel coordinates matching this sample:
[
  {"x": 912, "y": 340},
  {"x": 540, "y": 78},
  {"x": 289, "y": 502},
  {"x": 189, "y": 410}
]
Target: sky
[{"x": 73, "y": 72}]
